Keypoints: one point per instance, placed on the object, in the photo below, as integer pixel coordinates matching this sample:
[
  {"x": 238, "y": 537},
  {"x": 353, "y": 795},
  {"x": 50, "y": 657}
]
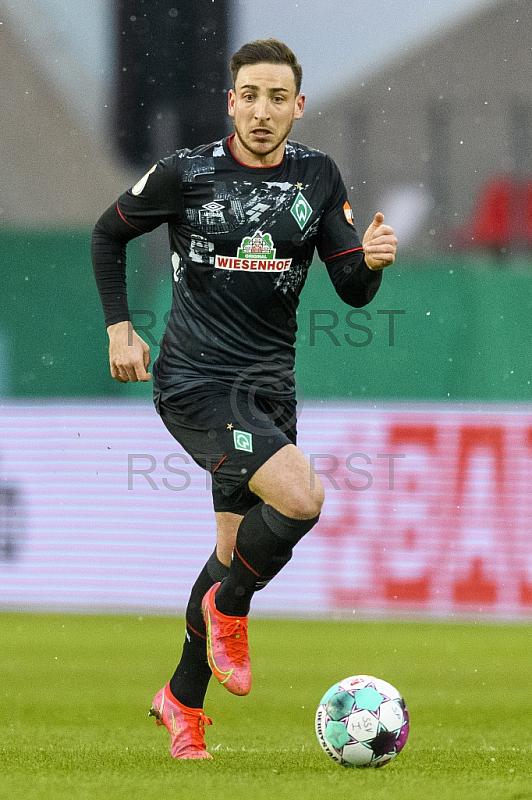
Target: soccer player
[{"x": 245, "y": 215}]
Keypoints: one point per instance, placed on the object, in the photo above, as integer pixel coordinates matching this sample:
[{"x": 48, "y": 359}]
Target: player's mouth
[{"x": 261, "y": 133}]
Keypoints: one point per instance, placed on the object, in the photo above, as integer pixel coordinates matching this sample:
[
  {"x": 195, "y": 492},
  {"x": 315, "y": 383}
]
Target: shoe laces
[
  {"x": 196, "y": 721},
  {"x": 203, "y": 720},
  {"x": 234, "y": 631}
]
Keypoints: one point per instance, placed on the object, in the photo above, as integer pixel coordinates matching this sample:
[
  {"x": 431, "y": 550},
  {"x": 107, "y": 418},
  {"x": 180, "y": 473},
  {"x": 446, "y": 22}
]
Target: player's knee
[
  {"x": 304, "y": 507},
  {"x": 305, "y": 504},
  {"x": 290, "y": 529}
]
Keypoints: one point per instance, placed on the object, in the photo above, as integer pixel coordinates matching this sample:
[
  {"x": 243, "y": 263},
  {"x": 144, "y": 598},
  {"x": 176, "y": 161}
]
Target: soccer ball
[{"x": 362, "y": 722}]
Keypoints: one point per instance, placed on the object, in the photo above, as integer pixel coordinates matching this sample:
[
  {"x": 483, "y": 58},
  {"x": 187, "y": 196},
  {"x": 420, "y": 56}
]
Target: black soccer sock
[
  {"x": 264, "y": 544},
  {"x": 191, "y": 678}
]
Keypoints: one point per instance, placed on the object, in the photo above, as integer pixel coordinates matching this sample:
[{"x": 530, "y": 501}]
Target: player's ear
[
  {"x": 231, "y": 102},
  {"x": 300, "y": 106}
]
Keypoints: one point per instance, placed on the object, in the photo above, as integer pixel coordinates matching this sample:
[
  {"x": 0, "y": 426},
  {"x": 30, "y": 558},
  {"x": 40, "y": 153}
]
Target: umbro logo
[{"x": 213, "y": 206}]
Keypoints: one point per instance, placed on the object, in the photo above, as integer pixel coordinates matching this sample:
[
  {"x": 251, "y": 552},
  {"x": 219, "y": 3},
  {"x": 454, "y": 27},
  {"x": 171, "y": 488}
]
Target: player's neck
[{"x": 250, "y": 159}]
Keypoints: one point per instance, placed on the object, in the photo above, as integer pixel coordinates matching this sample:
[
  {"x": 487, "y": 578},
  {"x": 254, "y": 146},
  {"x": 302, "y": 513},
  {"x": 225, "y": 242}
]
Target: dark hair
[{"x": 266, "y": 51}]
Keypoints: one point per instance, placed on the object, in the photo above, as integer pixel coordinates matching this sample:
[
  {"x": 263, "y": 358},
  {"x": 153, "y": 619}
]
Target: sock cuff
[
  {"x": 287, "y": 528},
  {"x": 170, "y": 695},
  {"x": 216, "y": 569}
]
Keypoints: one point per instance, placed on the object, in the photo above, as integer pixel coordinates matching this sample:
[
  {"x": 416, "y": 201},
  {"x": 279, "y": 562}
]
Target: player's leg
[
  {"x": 227, "y": 524},
  {"x": 288, "y": 483},
  {"x": 179, "y": 705},
  {"x": 191, "y": 677},
  {"x": 292, "y": 497},
  {"x": 234, "y": 440}
]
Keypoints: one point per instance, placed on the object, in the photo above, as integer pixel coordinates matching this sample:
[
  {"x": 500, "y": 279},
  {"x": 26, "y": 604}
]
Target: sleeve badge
[{"x": 348, "y": 212}]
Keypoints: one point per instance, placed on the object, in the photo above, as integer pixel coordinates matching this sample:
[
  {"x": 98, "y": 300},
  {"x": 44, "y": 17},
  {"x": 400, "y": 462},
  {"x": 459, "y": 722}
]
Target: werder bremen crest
[{"x": 301, "y": 210}]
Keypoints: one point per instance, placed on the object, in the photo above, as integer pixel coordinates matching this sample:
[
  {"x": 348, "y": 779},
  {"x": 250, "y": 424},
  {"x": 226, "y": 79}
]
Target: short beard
[{"x": 262, "y": 153}]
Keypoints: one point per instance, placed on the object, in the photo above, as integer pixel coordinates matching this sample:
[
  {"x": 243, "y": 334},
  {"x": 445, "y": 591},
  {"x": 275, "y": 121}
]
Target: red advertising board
[{"x": 448, "y": 528}]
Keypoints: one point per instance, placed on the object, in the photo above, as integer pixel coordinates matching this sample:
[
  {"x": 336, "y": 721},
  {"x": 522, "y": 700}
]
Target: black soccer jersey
[{"x": 242, "y": 239}]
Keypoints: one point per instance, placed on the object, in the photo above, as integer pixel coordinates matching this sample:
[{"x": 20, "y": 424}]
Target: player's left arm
[
  {"x": 357, "y": 274},
  {"x": 355, "y": 267},
  {"x": 379, "y": 243},
  {"x": 352, "y": 279}
]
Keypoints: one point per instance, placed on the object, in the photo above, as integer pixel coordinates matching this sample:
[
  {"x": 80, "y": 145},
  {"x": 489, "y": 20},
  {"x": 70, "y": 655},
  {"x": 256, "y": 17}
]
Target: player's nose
[{"x": 261, "y": 110}]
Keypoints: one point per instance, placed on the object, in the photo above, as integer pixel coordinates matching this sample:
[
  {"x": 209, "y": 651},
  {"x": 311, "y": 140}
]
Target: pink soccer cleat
[
  {"x": 227, "y": 646},
  {"x": 186, "y": 725}
]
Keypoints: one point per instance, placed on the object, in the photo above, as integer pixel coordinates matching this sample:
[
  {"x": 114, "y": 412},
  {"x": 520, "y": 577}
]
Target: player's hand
[
  {"x": 379, "y": 243},
  {"x": 129, "y": 355}
]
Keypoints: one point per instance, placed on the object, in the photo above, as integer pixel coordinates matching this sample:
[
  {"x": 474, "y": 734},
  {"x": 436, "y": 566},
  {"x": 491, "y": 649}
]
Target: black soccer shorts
[{"x": 230, "y": 433}]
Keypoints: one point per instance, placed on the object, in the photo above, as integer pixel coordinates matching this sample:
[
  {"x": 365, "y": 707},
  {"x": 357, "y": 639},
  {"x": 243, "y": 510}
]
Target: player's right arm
[
  {"x": 152, "y": 201},
  {"x": 129, "y": 355}
]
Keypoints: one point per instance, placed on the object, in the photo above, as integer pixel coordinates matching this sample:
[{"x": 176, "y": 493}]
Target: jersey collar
[{"x": 229, "y": 148}]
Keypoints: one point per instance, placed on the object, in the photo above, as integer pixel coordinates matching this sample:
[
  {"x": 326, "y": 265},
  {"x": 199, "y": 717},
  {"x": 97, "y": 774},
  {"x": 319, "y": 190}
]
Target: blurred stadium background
[{"x": 416, "y": 409}]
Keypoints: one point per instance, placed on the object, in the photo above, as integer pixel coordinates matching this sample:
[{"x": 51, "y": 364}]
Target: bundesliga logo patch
[
  {"x": 255, "y": 254},
  {"x": 348, "y": 211}
]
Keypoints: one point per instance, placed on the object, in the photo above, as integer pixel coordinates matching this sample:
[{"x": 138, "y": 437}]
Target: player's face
[{"x": 264, "y": 106}]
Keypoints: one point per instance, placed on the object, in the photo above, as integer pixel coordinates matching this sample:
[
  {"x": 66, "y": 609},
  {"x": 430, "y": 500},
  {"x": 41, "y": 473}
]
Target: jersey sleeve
[
  {"x": 339, "y": 246},
  {"x": 353, "y": 281},
  {"x": 155, "y": 199},
  {"x": 337, "y": 234}
]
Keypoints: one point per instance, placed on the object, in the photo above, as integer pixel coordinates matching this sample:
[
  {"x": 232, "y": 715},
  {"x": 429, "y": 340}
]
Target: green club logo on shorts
[{"x": 243, "y": 441}]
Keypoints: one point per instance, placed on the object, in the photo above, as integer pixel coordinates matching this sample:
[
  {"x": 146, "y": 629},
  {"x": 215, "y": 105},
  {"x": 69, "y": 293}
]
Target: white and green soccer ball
[{"x": 362, "y": 722}]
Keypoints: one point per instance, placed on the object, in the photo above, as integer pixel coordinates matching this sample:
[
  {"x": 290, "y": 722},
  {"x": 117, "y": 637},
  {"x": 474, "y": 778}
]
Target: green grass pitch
[{"x": 76, "y": 690}]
